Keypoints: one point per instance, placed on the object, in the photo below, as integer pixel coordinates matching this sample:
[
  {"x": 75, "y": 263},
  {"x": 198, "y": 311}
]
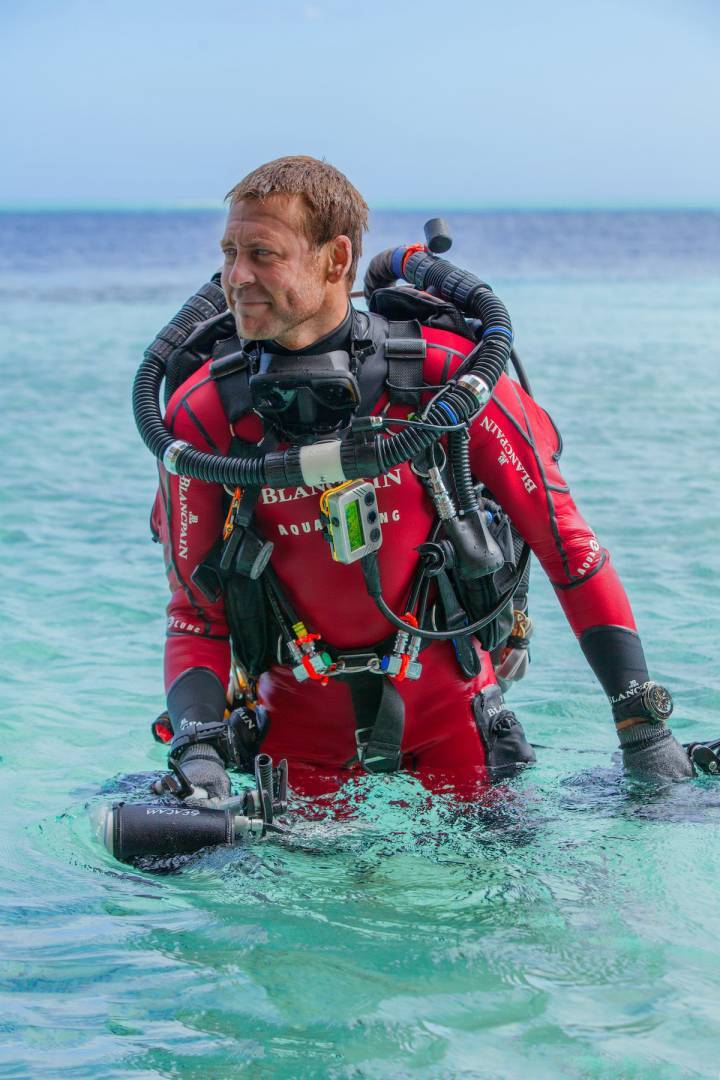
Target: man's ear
[{"x": 340, "y": 255}]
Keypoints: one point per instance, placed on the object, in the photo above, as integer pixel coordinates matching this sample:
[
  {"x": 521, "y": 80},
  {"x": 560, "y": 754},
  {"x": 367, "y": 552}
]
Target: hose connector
[
  {"x": 477, "y": 387},
  {"x": 172, "y": 453},
  {"x": 440, "y": 495}
]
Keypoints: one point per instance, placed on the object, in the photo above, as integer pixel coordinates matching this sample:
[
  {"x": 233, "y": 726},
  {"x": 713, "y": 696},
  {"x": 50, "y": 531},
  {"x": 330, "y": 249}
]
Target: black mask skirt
[{"x": 305, "y": 394}]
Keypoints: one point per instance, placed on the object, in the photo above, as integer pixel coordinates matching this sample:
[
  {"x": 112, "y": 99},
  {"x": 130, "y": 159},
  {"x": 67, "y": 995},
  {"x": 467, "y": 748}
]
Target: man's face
[{"x": 273, "y": 279}]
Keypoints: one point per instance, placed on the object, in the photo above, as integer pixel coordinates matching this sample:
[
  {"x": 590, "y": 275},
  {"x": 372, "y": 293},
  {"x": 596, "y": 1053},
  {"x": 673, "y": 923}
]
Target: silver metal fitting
[
  {"x": 317, "y": 662},
  {"x": 394, "y": 664},
  {"x": 440, "y": 495},
  {"x": 477, "y": 387},
  {"x": 247, "y": 826},
  {"x": 173, "y": 452},
  {"x": 414, "y": 649}
]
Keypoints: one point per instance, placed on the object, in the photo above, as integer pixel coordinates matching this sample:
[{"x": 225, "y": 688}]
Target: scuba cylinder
[{"x": 134, "y": 830}]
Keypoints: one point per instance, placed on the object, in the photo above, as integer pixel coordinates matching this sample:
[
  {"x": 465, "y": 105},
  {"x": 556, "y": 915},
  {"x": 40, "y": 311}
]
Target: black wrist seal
[{"x": 196, "y": 697}]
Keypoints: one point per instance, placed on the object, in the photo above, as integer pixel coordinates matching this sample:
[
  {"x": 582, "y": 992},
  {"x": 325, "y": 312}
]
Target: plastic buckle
[
  {"x": 362, "y": 738},
  {"x": 389, "y": 764}
]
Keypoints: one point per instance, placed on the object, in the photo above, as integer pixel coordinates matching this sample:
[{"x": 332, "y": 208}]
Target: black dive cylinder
[{"x": 136, "y": 829}]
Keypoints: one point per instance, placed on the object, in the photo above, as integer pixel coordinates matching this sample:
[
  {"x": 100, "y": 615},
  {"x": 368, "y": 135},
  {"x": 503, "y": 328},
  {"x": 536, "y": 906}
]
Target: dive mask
[{"x": 305, "y": 395}]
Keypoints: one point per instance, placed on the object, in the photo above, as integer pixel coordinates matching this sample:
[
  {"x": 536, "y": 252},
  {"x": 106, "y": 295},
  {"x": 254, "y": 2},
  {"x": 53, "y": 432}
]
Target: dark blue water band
[
  {"x": 498, "y": 330},
  {"x": 446, "y": 409}
]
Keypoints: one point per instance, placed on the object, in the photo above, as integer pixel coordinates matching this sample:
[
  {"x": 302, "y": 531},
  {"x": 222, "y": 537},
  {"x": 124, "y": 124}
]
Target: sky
[{"x": 471, "y": 104}]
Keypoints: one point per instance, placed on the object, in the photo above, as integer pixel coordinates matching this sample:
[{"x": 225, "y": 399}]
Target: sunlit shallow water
[{"x": 563, "y": 927}]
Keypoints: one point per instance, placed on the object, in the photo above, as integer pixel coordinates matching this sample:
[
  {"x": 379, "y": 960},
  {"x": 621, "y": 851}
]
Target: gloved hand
[
  {"x": 511, "y": 662},
  {"x": 196, "y": 703},
  {"x": 204, "y": 768},
  {"x": 652, "y": 750}
]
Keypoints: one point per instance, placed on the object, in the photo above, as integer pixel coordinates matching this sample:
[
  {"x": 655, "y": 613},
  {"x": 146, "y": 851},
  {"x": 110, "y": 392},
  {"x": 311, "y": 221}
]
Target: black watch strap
[{"x": 651, "y": 701}]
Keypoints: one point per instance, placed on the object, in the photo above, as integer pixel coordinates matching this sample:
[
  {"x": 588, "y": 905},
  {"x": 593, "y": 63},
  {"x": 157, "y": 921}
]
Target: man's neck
[{"x": 303, "y": 342}]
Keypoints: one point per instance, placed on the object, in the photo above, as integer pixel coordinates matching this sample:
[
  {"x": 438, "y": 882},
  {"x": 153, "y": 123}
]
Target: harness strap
[
  {"x": 455, "y": 619},
  {"x": 405, "y": 351},
  {"x": 380, "y": 719},
  {"x": 248, "y": 499},
  {"x": 231, "y": 374}
]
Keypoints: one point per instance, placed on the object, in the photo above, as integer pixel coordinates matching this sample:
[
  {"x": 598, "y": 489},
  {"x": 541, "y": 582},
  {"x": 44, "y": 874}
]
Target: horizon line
[{"x": 194, "y": 205}]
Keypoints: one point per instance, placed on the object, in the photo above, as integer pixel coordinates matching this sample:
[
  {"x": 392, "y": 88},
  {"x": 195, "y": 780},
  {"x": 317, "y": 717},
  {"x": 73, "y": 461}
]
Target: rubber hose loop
[
  {"x": 279, "y": 469},
  {"x": 459, "y": 452}
]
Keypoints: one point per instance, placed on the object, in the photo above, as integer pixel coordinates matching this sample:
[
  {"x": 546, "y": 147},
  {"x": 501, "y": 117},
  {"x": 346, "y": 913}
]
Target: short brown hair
[{"x": 334, "y": 206}]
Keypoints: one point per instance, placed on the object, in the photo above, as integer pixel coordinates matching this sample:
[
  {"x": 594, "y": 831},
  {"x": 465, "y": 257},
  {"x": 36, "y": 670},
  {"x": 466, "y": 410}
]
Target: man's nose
[{"x": 240, "y": 273}]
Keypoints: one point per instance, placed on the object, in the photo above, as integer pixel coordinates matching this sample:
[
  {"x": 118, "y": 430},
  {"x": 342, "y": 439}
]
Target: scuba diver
[{"x": 347, "y": 502}]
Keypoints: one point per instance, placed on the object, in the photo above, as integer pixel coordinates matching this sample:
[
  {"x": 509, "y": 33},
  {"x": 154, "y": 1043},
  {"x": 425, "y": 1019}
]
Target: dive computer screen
[{"x": 354, "y": 525}]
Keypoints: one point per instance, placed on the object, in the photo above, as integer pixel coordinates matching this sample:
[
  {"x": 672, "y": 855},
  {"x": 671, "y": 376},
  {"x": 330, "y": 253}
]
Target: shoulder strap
[
  {"x": 391, "y": 355},
  {"x": 203, "y": 342},
  {"x": 231, "y": 373},
  {"x": 369, "y": 336},
  {"x": 405, "y": 350}
]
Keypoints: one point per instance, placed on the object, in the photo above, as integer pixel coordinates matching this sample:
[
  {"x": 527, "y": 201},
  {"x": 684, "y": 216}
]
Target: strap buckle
[
  {"x": 406, "y": 348},
  {"x": 358, "y": 664},
  {"x": 387, "y": 760},
  {"x": 175, "y": 782}
]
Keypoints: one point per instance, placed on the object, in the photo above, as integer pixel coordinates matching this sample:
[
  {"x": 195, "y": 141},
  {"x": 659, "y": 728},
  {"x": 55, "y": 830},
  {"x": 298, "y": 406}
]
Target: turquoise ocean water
[{"x": 568, "y": 930}]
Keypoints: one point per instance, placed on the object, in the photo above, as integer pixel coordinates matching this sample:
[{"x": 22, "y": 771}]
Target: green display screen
[{"x": 354, "y": 525}]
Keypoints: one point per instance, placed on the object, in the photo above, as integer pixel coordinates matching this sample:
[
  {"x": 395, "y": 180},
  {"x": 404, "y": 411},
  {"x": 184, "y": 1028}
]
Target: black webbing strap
[
  {"x": 405, "y": 351},
  {"x": 231, "y": 374},
  {"x": 248, "y": 500},
  {"x": 380, "y": 721},
  {"x": 456, "y": 618}
]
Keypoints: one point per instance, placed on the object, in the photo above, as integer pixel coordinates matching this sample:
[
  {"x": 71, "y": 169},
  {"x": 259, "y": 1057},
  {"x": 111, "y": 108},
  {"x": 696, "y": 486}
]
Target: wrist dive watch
[{"x": 652, "y": 701}]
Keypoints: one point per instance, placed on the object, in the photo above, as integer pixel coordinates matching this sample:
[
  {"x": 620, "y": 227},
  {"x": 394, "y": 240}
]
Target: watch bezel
[{"x": 661, "y": 710}]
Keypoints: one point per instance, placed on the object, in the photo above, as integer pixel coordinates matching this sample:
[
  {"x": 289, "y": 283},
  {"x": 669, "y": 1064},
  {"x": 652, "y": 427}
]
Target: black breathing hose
[
  {"x": 371, "y": 574},
  {"x": 206, "y": 303},
  {"x": 466, "y": 292},
  {"x": 460, "y": 468},
  {"x": 332, "y": 461},
  {"x": 383, "y": 270}
]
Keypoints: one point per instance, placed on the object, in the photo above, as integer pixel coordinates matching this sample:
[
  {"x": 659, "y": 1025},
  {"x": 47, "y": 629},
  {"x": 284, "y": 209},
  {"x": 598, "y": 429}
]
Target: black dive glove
[
  {"x": 655, "y": 752},
  {"x": 196, "y": 704},
  {"x": 204, "y": 743},
  {"x": 203, "y": 767},
  {"x": 649, "y": 747}
]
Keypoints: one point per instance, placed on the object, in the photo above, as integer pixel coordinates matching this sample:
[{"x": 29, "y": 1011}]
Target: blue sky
[{"x": 469, "y": 104}]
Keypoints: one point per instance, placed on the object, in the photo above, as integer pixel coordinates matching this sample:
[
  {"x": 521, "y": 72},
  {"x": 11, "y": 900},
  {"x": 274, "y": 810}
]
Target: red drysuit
[{"x": 514, "y": 451}]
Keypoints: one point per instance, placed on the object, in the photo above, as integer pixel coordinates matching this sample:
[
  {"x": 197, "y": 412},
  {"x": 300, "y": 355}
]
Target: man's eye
[
  {"x": 262, "y": 251},
  {"x": 229, "y": 253}
]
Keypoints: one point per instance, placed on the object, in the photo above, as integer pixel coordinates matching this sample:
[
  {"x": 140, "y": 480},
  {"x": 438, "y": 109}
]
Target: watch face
[{"x": 659, "y": 701}]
